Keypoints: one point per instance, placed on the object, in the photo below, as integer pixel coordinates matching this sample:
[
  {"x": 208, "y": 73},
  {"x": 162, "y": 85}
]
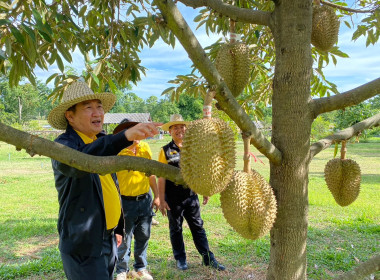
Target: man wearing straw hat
[
  {"x": 90, "y": 222},
  {"x": 178, "y": 202}
]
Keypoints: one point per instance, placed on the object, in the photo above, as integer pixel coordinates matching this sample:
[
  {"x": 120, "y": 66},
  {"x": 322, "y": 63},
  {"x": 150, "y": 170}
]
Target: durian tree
[{"x": 286, "y": 71}]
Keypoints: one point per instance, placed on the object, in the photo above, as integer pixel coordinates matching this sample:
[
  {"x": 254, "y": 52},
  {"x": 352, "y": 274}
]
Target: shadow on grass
[{"x": 340, "y": 246}]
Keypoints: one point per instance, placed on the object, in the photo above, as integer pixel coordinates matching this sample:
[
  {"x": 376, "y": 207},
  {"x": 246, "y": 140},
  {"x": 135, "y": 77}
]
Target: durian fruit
[
  {"x": 325, "y": 27},
  {"x": 232, "y": 63},
  {"x": 249, "y": 204},
  {"x": 342, "y": 177},
  {"x": 208, "y": 156}
]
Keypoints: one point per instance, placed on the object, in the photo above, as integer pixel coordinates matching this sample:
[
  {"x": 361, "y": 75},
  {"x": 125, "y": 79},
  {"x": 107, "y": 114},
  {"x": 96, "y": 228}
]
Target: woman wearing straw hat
[
  {"x": 90, "y": 222},
  {"x": 179, "y": 202}
]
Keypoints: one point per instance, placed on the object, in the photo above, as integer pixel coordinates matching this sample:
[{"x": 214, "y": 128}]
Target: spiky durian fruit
[
  {"x": 325, "y": 27},
  {"x": 208, "y": 156},
  {"x": 232, "y": 63},
  {"x": 249, "y": 205},
  {"x": 342, "y": 177}
]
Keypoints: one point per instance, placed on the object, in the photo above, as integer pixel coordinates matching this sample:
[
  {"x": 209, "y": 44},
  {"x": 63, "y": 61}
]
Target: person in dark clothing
[
  {"x": 179, "y": 202},
  {"x": 90, "y": 222}
]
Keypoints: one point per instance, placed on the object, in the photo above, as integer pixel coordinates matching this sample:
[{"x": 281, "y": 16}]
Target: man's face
[
  {"x": 87, "y": 117},
  {"x": 177, "y": 132}
]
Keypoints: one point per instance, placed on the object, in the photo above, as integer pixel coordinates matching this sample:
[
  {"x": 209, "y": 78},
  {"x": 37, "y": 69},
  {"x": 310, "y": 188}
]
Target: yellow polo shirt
[
  {"x": 112, "y": 206},
  {"x": 134, "y": 183}
]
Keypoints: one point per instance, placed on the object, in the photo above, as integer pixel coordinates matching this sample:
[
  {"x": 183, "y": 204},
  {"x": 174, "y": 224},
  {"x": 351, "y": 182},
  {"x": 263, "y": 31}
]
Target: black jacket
[
  {"x": 175, "y": 193},
  {"x": 81, "y": 221}
]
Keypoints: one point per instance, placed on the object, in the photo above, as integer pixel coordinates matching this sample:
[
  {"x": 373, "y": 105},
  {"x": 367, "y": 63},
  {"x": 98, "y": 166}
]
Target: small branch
[
  {"x": 339, "y": 7},
  {"x": 247, "y": 156},
  {"x": 231, "y": 11},
  {"x": 362, "y": 270},
  {"x": 344, "y": 134},
  {"x": 225, "y": 99},
  {"x": 93, "y": 164},
  {"x": 346, "y": 99},
  {"x": 343, "y": 150}
]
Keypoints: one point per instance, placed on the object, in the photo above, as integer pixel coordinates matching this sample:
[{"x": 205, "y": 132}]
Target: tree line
[{"x": 23, "y": 104}]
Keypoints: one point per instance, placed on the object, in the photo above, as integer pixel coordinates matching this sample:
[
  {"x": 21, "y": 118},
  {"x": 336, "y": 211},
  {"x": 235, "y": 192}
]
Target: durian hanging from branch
[
  {"x": 325, "y": 27},
  {"x": 208, "y": 153},
  {"x": 233, "y": 64},
  {"x": 343, "y": 178},
  {"x": 248, "y": 202}
]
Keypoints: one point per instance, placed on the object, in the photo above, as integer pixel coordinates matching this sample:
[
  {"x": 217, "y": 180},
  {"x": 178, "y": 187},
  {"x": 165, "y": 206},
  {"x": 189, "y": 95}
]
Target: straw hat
[
  {"x": 124, "y": 124},
  {"x": 174, "y": 119},
  {"x": 75, "y": 93}
]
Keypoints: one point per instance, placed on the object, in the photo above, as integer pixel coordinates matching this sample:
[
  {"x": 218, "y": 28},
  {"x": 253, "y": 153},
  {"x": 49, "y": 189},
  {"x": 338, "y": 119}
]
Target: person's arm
[
  {"x": 161, "y": 186},
  {"x": 161, "y": 193},
  {"x": 156, "y": 198}
]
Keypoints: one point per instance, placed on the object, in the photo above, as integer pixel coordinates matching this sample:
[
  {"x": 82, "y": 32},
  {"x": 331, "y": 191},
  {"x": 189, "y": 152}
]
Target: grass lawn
[{"x": 339, "y": 237}]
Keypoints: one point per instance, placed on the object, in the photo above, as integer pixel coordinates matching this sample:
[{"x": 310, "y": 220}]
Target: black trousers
[
  {"x": 78, "y": 267},
  {"x": 190, "y": 210}
]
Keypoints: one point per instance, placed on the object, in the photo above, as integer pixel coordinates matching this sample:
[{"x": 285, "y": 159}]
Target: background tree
[{"x": 40, "y": 34}]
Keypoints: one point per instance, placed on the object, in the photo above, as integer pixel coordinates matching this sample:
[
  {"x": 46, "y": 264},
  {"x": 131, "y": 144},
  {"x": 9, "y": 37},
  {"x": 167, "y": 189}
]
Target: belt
[
  {"x": 110, "y": 231},
  {"x": 135, "y": 198}
]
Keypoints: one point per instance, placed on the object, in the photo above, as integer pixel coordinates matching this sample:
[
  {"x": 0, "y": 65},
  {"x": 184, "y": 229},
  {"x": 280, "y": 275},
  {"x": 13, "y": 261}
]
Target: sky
[{"x": 164, "y": 63}]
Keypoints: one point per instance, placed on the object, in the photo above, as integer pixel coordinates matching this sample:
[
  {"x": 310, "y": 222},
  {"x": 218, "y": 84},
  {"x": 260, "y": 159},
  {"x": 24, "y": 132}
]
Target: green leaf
[
  {"x": 29, "y": 31},
  {"x": 17, "y": 34},
  {"x": 60, "y": 64},
  {"x": 336, "y": 149},
  {"x": 51, "y": 77},
  {"x": 65, "y": 53},
  {"x": 96, "y": 79},
  {"x": 38, "y": 19},
  {"x": 82, "y": 11},
  {"x": 168, "y": 90},
  {"x": 4, "y": 22},
  {"x": 45, "y": 36}
]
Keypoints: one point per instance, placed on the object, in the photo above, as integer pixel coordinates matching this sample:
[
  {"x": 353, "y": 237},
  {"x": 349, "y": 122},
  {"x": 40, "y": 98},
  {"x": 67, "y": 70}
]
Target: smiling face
[
  {"x": 177, "y": 132},
  {"x": 87, "y": 117}
]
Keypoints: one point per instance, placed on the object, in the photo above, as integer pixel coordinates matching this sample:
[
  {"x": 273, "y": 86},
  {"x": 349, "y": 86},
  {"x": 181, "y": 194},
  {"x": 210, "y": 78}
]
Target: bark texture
[{"x": 292, "y": 121}]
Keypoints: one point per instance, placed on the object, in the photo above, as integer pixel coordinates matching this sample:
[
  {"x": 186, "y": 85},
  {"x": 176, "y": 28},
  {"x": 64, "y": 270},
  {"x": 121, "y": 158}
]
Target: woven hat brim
[
  {"x": 169, "y": 124},
  {"x": 57, "y": 118}
]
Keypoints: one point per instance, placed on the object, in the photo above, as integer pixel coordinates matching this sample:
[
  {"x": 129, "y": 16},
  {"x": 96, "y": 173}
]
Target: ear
[{"x": 69, "y": 116}]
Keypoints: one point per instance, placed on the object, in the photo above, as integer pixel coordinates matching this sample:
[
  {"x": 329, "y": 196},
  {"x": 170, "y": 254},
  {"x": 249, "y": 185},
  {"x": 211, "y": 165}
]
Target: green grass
[{"x": 338, "y": 239}]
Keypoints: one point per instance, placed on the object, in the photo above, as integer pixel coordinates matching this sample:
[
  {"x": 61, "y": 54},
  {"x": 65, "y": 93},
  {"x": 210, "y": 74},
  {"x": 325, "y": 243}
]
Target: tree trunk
[{"x": 291, "y": 135}]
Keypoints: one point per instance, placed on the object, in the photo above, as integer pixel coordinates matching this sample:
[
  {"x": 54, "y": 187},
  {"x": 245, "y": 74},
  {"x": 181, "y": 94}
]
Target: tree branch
[
  {"x": 344, "y": 134},
  {"x": 336, "y": 6},
  {"x": 226, "y": 101},
  {"x": 233, "y": 12},
  {"x": 93, "y": 164},
  {"x": 346, "y": 99},
  {"x": 363, "y": 270}
]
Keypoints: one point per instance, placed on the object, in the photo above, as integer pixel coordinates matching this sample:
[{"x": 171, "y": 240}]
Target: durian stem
[
  {"x": 343, "y": 150},
  {"x": 247, "y": 156},
  {"x": 232, "y": 31},
  {"x": 207, "y": 105}
]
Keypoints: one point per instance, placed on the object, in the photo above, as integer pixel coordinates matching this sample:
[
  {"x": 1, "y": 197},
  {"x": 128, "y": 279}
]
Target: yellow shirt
[
  {"x": 162, "y": 157},
  {"x": 134, "y": 183},
  {"x": 112, "y": 206}
]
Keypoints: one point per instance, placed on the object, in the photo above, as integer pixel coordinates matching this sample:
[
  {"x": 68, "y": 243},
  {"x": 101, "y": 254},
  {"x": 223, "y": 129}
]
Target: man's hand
[
  {"x": 205, "y": 199},
  {"x": 141, "y": 131},
  {"x": 119, "y": 239},
  {"x": 156, "y": 204},
  {"x": 164, "y": 207}
]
